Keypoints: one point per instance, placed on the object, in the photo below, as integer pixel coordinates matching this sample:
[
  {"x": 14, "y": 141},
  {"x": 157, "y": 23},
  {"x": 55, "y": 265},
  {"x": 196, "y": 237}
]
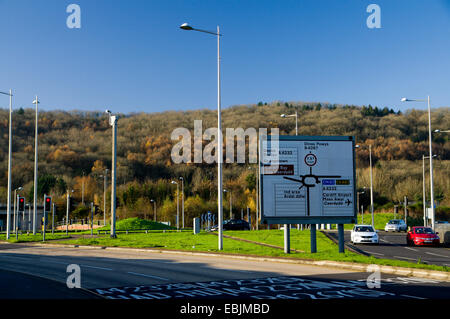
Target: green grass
[
  {"x": 32, "y": 238},
  {"x": 300, "y": 240},
  {"x": 177, "y": 241},
  {"x": 130, "y": 224},
  {"x": 137, "y": 224},
  {"x": 326, "y": 249}
]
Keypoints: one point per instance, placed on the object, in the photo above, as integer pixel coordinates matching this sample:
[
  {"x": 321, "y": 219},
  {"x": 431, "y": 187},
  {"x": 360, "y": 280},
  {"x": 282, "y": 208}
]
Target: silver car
[{"x": 396, "y": 225}]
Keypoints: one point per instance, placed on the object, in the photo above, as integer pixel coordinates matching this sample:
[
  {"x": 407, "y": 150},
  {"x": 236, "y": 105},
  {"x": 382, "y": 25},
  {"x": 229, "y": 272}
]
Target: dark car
[{"x": 233, "y": 224}]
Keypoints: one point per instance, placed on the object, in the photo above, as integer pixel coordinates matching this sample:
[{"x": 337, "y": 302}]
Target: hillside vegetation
[{"x": 75, "y": 149}]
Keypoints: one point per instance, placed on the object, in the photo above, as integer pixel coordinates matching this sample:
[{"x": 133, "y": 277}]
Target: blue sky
[{"x": 130, "y": 55}]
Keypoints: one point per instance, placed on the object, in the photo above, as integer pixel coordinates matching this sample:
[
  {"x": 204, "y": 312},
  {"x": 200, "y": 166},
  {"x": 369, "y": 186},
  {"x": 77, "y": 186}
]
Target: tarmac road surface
[{"x": 132, "y": 274}]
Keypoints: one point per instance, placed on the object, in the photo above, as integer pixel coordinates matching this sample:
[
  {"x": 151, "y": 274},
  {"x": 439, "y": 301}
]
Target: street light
[
  {"x": 8, "y": 200},
  {"x": 67, "y": 211},
  {"x": 154, "y": 208},
  {"x": 371, "y": 184},
  {"x": 186, "y": 26},
  {"x": 15, "y": 201},
  {"x": 178, "y": 204},
  {"x": 430, "y": 155},
  {"x": 36, "y": 101},
  {"x": 425, "y": 222},
  {"x": 113, "y": 123},
  {"x": 182, "y": 200},
  {"x": 439, "y": 131},
  {"x": 296, "y": 120},
  {"x": 357, "y": 202}
]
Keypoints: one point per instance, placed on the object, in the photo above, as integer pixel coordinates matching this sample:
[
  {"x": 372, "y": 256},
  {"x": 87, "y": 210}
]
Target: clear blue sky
[{"x": 130, "y": 55}]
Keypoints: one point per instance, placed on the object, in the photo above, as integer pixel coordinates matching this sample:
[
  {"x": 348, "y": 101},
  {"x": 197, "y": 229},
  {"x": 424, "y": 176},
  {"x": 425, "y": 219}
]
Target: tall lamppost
[
  {"x": 371, "y": 184},
  {"x": 15, "y": 209},
  {"x": 67, "y": 211},
  {"x": 186, "y": 26},
  {"x": 425, "y": 221},
  {"x": 113, "y": 123},
  {"x": 182, "y": 201},
  {"x": 357, "y": 199},
  {"x": 8, "y": 200},
  {"x": 178, "y": 204},
  {"x": 296, "y": 120},
  {"x": 154, "y": 208},
  {"x": 36, "y": 102},
  {"x": 430, "y": 155}
]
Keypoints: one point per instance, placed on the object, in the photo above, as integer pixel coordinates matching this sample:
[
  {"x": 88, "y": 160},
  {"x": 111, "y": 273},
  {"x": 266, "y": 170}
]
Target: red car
[{"x": 420, "y": 235}]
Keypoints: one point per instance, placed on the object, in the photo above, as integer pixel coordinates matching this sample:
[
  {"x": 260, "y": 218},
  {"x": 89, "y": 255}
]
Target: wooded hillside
[{"x": 76, "y": 144}]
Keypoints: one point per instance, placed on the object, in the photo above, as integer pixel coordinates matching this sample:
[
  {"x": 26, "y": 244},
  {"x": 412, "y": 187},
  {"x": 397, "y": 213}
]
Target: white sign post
[{"x": 308, "y": 180}]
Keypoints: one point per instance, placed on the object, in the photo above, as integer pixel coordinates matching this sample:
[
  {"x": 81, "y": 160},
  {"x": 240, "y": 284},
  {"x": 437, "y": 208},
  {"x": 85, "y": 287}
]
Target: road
[
  {"x": 132, "y": 274},
  {"x": 393, "y": 246}
]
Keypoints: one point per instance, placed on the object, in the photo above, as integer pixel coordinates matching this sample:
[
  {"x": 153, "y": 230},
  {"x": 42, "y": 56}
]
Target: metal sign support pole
[
  {"x": 287, "y": 239},
  {"x": 53, "y": 219},
  {"x": 45, "y": 220},
  {"x": 16, "y": 219},
  {"x": 92, "y": 219},
  {"x": 341, "y": 238},
  {"x": 313, "y": 239}
]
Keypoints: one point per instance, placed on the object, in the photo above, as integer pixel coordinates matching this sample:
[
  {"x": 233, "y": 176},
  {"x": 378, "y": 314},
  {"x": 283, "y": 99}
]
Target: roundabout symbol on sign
[{"x": 310, "y": 160}]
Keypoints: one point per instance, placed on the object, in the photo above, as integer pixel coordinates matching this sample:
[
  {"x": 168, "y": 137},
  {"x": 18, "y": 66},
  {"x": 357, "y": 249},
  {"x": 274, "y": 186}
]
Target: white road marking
[
  {"x": 415, "y": 297},
  {"x": 94, "y": 267},
  {"x": 410, "y": 248},
  {"x": 144, "y": 275},
  {"x": 385, "y": 241},
  {"x": 436, "y": 255},
  {"x": 405, "y": 258}
]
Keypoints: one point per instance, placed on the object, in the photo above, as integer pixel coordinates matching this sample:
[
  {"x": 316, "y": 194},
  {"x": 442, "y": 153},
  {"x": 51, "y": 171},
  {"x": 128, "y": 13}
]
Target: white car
[
  {"x": 364, "y": 234},
  {"x": 396, "y": 225}
]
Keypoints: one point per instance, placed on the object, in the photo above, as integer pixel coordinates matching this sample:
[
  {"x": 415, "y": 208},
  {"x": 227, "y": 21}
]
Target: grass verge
[
  {"x": 205, "y": 242},
  {"x": 23, "y": 238}
]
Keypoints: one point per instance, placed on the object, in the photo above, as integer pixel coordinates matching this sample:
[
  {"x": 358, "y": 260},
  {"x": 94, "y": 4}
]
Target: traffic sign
[{"x": 308, "y": 180}]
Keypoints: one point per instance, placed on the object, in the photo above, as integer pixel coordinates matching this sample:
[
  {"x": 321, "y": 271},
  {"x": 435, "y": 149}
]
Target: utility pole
[
  {"x": 371, "y": 186},
  {"x": 113, "y": 123},
  {"x": 92, "y": 219},
  {"x": 67, "y": 212},
  {"x": 36, "y": 101},
  {"x": 406, "y": 209},
  {"x": 53, "y": 219},
  {"x": 182, "y": 200},
  {"x": 8, "y": 199}
]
